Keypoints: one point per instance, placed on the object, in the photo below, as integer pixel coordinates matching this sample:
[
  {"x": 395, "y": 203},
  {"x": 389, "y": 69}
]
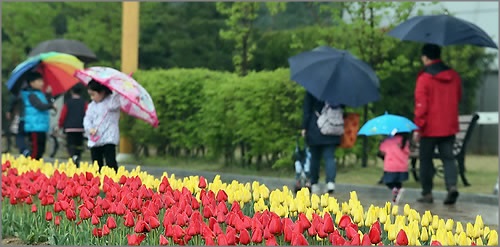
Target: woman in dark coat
[{"x": 320, "y": 145}]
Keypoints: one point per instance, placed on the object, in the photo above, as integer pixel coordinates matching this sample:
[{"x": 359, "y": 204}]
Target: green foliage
[{"x": 240, "y": 23}]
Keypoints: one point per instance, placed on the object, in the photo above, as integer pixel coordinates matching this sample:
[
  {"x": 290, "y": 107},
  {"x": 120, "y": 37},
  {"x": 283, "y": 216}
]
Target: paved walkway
[{"x": 467, "y": 207}]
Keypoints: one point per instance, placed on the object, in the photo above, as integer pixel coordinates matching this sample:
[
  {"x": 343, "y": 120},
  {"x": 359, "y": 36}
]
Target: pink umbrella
[{"x": 134, "y": 100}]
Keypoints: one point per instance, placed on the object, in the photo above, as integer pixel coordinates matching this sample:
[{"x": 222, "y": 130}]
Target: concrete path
[{"x": 467, "y": 207}]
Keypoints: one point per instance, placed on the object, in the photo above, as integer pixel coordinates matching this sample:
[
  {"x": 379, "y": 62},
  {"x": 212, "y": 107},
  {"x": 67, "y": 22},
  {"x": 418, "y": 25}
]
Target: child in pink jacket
[{"x": 395, "y": 151}]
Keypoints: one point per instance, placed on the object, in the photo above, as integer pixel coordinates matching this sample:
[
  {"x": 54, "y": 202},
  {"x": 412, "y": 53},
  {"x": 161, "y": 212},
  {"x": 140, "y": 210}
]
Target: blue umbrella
[
  {"x": 335, "y": 76},
  {"x": 442, "y": 30},
  {"x": 19, "y": 71},
  {"x": 387, "y": 124}
]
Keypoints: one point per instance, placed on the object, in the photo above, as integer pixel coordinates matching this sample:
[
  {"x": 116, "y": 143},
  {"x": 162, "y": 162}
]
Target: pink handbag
[{"x": 95, "y": 138}]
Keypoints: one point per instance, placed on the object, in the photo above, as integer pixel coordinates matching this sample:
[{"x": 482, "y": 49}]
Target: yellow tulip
[
  {"x": 462, "y": 239},
  {"x": 391, "y": 233},
  {"x": 387, "y": 226},
  {"x": 469, "y": 230},
  {"x": 449, "y": 225},
  {"x": 315, "y": 201},
  {"x": 309, "y": 213},
  {"x": 345, "y": 208},
  {"x": 354, "y": 196},
  {"x": 406, "y": 210},
  {"x": 451, "y": 238},
  {"x": 424, "y": 236},
  {"x": 435, "y": 222},
  {"x": 486, "y": 230},
  {"x": 478, "y": 231},
  {"x": 479, "y": 222},
  {"x": 418, "y": 243},
  {"x": 493, "y": 238},
  {"x": 479, "y": 241},
  {"x": 395, "y": 210},
  {"x": 324, "y": 200},
  {"x": 441, "y": 224},
  {"x": 459, "y": 227},
  {"x": 337, "y": 218},
  {"x": 382, "y": 215}
]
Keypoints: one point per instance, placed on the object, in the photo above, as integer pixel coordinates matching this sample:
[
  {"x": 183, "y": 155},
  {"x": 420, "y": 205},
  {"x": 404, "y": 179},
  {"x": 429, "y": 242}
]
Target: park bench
[{"x": 467, "y": 124}]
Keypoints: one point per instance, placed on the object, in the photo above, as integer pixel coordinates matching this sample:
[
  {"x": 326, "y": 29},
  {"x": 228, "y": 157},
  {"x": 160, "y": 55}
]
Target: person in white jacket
[{"x": 101, "y": 123}]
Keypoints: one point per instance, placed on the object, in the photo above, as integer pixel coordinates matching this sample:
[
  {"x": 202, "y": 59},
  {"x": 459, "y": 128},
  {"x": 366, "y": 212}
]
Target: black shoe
[
  {"x": 451, "y": 198},
  {"x": 426, "y": 199}
]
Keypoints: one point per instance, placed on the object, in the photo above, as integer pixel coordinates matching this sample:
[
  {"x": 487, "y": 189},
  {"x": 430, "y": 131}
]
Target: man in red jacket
[{"x": 437, "y": 95}]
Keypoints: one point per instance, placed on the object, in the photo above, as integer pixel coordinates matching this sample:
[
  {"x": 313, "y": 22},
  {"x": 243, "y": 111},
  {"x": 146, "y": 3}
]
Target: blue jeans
[
  {"x": 21, "y": 139},
  {"x": 327, "y": 152}
]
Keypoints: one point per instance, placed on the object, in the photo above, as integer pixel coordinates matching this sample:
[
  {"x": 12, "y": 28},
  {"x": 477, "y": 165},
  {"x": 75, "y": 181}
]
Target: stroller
[{"x": 301, "y": 158}]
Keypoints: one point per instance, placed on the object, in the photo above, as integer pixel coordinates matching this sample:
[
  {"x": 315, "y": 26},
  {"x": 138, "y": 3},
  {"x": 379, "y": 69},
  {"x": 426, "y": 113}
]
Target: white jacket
[{"x": 103, "y": 116}]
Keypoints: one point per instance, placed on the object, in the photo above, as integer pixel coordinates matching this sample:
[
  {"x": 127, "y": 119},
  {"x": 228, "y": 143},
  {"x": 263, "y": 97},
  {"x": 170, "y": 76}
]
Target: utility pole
[{"x": 129, "y": 60}]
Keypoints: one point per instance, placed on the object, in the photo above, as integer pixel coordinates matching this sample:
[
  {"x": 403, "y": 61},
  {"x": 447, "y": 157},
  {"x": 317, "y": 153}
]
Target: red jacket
[{"x": 437, "y": 95}]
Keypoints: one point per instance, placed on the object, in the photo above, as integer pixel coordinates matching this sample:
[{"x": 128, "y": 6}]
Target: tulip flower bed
[{"x": 59, "y": 204}]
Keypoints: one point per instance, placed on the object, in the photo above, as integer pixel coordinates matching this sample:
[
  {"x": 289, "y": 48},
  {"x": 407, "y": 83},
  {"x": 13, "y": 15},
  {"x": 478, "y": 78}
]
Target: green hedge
[{"x": 250, "y": 121}]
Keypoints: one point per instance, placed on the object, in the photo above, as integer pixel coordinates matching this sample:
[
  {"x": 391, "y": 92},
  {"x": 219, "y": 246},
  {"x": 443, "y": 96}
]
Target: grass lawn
[{"x": 481, "y": 172}]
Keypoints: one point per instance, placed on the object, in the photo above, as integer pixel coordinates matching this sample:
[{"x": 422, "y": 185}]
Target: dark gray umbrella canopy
[
  {"x": 442, "y": 30},
  {"x": 72, "y": 47}
]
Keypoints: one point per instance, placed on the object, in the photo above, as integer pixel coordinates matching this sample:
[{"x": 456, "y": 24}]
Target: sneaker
[
  {"x": 315, "y": 189},
  {"x": 330, "y": 187},
  {"x": 451, "y": 198},
  {"x": 399, "y": 195},
  {"x": 426, "y": 199}
]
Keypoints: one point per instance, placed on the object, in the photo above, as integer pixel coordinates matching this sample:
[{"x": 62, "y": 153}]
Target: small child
[
  {"x": 72, "y": 122},
  {"x": 395, "y": 151},
  {"x": 101, "y": 123},
  {"x": 36, "y": 114},
  {"x": 302, "y": 168}
]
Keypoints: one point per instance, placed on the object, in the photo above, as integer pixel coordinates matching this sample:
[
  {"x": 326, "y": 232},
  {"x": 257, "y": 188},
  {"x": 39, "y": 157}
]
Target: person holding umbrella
[
  {"x": 101, "y": 122},
  {"x": 36, "y": 113},
  {"x": 320, "y": 145},
  {"x": 438, "y": 92}
]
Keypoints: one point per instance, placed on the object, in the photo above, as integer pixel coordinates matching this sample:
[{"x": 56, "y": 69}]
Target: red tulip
[
  {"x": 350, "y": 232},
  {"x": 48, "y": 216},
  {"x": 153, "y": 222},
  {"x": 375, "y": 234},
  {"x": 221, "y": 240},
  {"x": 110, "y": 222},
  {"x": 366, "y": 240},
  {"x": 97, "y": 232},
  {"x": 21, "y": 194},
  {"x": 141, "y": 227},
  {"x": 209, "y": 241},
  {"x": 257, "y": 236},
  {"x": 123, "y": 180},
  {"x": 345, "y": 220},
  {"x": 105, "y": 230},
  {"x": 135, "y": 239},
  {"x": 311, "y": 231},
  {"x": 299, "y": 240},
  {"x": 244, "y": 237},
  {"x": 129, "y": 219},
  {"x": 355, "y": 240},
  {"x": 95, "y": 220},
  {"x": 57, "y": 220},
  {"x": 84, "y": 213},
  {"x": 203, "y": 183},
  {"x": 163, "y": 240},
  {"x": 177, "y": 231},
  {"x": 57, "y": 207},
  {"x": 376, "y": 224},
  {"x": 121, "y": 209},
  {"x": 230, "y": 235},
  {"x": 207, "y": 212},
  {"x": 437, "y": 243},
  {"x": 328, "y": 224},
  {"x": 98, "y": 211},
  {"x": 33, "y": 208},
  {"x": 221, "y": 196},
  {"x": 401, "y": 238},
  {"x": 275, "y": 226},
  {"x": 70, "y": 214},
  {"x": 271, "y": 241}
]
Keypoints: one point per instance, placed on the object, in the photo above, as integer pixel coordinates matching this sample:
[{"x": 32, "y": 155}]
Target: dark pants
[
  {"x": 21, "y": 139},
  {"x": 445, "y": 148},
  {"x": 38, "y": 140},
  {"x": 397, "y": 185},
  {"x": 107, "y": 152},
  {"x": 327, "y": 152},
  {"x": 74, "y": 143}
]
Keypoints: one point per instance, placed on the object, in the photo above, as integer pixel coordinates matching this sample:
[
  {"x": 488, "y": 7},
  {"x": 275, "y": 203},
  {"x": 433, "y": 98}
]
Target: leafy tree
[{"x": 240, "y": 23}]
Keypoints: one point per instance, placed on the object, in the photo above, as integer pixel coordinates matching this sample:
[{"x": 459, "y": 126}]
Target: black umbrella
[
  {"x": 335, "y": 76},
  {"x": 72, "y": 47},
  {"x": 442, "y": 30}
]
